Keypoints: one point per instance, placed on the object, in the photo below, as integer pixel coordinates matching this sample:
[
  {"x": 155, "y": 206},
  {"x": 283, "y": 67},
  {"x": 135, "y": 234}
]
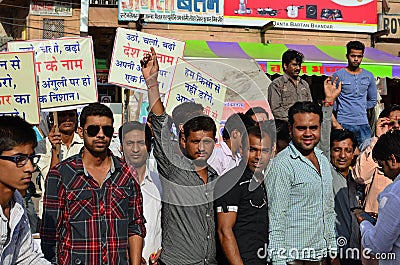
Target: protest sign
[
  {"x": 129, "y": 48},
  {"x": 19, "y": 94},
  {"x": 191, "y": 84},
  {"x": 65, "y": 69}
]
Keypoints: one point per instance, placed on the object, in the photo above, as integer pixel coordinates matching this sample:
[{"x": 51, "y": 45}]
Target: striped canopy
[{"x": 319, "y": 60}]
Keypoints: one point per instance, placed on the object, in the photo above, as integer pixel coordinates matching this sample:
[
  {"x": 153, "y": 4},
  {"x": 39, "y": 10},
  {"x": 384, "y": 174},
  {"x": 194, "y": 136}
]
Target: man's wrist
[{"x": 328, "y": 102}]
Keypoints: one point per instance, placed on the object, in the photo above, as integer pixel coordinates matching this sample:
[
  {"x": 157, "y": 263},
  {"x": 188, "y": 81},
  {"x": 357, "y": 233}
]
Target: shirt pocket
[
  {"x": 287, "y": 98},
  {"x": 346, "y": 87},
  {"x": 363, "y": 88},
  {"x": 80, "y": 204},
  {"x": 120, "y": 202}
]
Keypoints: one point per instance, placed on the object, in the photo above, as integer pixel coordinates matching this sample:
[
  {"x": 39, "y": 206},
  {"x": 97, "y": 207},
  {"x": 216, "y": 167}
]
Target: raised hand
[
  {"x": 332, "y": 89},
  {"x": 150, "y": 68},
  {"x": 382, "y": 126}
]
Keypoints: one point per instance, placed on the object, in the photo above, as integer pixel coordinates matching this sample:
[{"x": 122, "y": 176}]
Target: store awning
[{"x": 319, "y": 60}]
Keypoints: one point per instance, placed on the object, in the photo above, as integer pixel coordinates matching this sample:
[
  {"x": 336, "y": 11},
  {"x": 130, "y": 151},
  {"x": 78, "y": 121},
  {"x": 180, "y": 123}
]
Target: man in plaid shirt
[{"x": 93, "y": 205}]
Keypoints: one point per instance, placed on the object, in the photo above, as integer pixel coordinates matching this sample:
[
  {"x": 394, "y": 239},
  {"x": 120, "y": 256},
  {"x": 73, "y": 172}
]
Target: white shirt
[
  {"x": 151, "y": 192},
  {"x": 44, "y": 150},
  {"x": 222, "y": 159},
  {"x": 16, "y": 242}
]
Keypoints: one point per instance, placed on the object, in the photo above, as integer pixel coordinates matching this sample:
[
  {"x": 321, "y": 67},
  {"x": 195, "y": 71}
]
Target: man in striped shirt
[{"x": 300, "y": 197}]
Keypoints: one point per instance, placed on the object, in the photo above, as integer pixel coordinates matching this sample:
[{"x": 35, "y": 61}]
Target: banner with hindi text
[
  {"x": 191, "y": 84},
  {"x": 65, "y": 69},
  {"x": 19, "y": 93},
  {"x": 129, "y": 48}
]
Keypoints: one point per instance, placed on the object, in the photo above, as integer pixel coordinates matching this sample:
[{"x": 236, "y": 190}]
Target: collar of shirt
[
  {"x": 227, "y": 151},
  {"x": 111, "y": 171},
  {"x": 147, "y": 176},
  {"x": 397, "y": 178},
  {"x": 76, "y": 140},
  {"x": 286, "y": 79},
  {"x": 295, "y": 153},
  {"x": 16, "y": 209}
]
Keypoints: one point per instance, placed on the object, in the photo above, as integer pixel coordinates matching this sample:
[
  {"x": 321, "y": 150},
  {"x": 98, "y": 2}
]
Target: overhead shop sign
[
  {"x": 390, "y": 22},
  {"x": 331, "y": 15},
  {"x": 179, "y": 11},
  {"x": 51, "y": 8}
]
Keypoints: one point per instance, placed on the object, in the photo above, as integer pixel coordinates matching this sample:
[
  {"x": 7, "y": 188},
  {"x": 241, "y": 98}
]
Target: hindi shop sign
[
  {"x": 65, "y": 68},
  {"x": 19, "y": 94},
  {"x": 191, "y": 84},
  {"x": 183, "y": 11},
  {"x": 129, "y": 48}
]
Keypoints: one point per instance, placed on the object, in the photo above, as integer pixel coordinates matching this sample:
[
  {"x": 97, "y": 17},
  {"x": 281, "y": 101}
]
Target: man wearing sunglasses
[
  {"x": 69, "y": 141},
  {"x": 383, "y": 238},
  {"x": 93, "y": 204},
  {"x": 188, "y": 235},
  {"x": 242, "y": 212},
  {"x": 17, "y": 163}
]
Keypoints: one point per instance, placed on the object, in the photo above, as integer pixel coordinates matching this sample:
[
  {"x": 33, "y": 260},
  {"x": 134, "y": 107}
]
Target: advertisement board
[
  {"x": 333, "y": 15},
  {"x": 173, "y": 11}
]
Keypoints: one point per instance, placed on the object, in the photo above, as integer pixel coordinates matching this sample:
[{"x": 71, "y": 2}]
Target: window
[{"x": 53, "y": 28}]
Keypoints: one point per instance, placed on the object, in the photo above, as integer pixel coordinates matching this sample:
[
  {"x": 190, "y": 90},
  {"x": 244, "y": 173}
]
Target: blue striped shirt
[{"x": 301, "y": 207}]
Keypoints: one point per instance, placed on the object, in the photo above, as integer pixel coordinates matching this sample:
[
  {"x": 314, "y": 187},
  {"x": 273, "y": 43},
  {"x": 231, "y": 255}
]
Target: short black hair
[
  {"x": 136, "y": 126},
  {"x": 339, "y": 135},
  {"x": 237, "y": 121},
  {"x": 304, "y": 107},
  {"x": 261, "y": 130},
  {"x": 388, "y": 144},
  {"x": 185, "y": 111},
  {"x": 282, "y": 130},
  {"x": 95, "y": 109},
  {"x": 50, "y": 118},
  {"x": 15, "y": 131},
  {"x": 355, "y": 45},
  {"x": 289, "y": 55},
  {"x": 386, "y": 111},
  {"x": 252, "y": 111},
  {"x": 200, "y": 123}
]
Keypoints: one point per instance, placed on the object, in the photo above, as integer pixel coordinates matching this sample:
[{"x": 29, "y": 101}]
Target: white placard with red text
[{"x": 129, "y": 48}]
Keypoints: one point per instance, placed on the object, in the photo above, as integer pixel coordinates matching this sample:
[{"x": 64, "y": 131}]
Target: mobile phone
[{"x": 368, "y": 217}]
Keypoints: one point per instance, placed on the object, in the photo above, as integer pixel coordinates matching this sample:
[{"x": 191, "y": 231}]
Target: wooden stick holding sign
[{"x": 55, "y": 119}]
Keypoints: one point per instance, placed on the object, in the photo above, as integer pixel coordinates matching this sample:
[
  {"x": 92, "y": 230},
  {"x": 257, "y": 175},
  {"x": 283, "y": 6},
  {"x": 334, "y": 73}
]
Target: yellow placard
[
  {"x": 191, "y": 84},
  {"x": 129, "y": 48},
  {"x": 19, "y": 93},
  {"x": 65, "y": 69}
]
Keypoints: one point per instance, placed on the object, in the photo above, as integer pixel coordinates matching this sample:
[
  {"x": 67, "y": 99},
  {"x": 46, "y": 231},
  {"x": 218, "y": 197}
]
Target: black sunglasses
[
  {"x": 93, "y": 130},
  {"x": 22, "y": 160},
  {"x": 65, "y": 114}
]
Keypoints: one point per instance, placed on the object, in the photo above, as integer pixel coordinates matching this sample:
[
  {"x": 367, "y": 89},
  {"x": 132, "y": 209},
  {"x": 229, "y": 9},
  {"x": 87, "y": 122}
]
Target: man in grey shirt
[
  {"x": 284, "y": 91},
  {"x": 339, "y": 146},
  {"x": 188, "y": 216}
]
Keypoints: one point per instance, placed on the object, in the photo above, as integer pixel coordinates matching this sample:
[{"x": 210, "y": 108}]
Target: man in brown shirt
[{"x": 284, "y": 91}]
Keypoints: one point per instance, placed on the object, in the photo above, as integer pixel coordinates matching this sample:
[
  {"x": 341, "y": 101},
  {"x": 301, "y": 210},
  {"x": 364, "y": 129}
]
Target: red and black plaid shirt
[{"x": 87, "y": 224}]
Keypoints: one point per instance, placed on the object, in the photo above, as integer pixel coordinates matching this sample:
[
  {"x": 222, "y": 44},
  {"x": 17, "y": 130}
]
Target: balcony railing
[{"x": 104, "y": 2}]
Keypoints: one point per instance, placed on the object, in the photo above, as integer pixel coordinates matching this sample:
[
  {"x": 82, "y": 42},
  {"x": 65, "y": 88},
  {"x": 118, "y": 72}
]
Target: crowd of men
[{"x": 290, "y": 190}]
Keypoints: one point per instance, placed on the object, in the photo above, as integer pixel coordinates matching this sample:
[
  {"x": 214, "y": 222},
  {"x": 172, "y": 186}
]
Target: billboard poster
[
  {"x": 191, "y": 84},
  {"x": 129, "y": 48},
  {"x": 65, "y": 70},
  {"x": 173, "y": 11},
  {"x": 19, "y": 93},
  {"x": 51, "y": 8},
  {"x": 332, "y": 15}
]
